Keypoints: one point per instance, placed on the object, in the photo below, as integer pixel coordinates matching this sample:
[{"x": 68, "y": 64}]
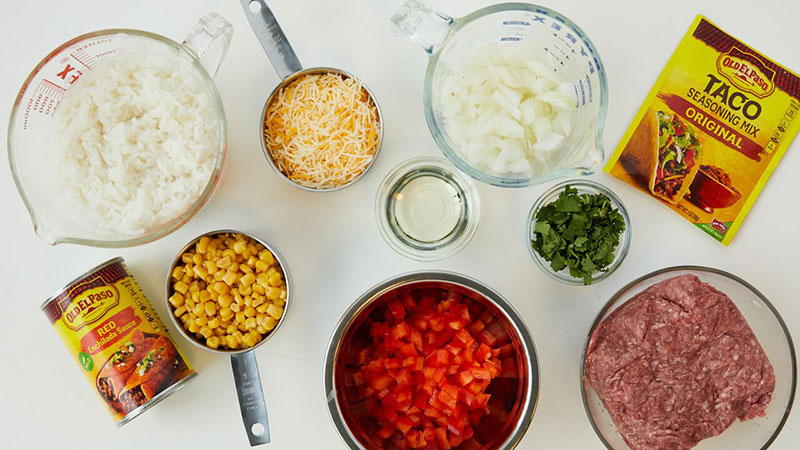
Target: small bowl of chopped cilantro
[{"x": 578, "y": 232}]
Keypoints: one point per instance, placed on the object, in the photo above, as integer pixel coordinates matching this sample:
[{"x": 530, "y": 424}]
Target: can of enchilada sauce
[{"x": 118, "y": 340}]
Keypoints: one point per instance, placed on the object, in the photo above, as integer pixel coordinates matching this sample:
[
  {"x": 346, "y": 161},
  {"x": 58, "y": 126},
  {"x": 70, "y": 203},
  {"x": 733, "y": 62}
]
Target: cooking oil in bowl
[
  {"x": 427, "y": 210},
  {"x": 428, "y": 207}
]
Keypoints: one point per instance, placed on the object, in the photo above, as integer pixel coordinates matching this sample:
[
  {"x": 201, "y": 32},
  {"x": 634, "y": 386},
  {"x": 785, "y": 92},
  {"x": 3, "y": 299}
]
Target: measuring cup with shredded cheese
[{"x": 321, "y": 127}]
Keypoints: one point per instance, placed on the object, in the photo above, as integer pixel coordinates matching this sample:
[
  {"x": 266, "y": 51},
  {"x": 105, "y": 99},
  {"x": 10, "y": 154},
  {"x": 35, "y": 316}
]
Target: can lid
[{"x": 81, "y": 278}]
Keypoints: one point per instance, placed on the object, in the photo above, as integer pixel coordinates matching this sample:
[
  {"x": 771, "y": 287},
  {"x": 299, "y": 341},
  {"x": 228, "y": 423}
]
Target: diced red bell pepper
[
  {"x": 400, "y": 330},
  {"x": 408, "y": 301},
  {"x": 385, "y": 432},
  {"x": 441, "y": 439},
  {"x": 396, "y": 309},
  {"x": 381, "y": 382},
  {"x": 464, "y": 378},
  {"x": 482, "y": 353},
  {"x": 403, "y": 424},
  {"x": 437, "y": 323},
  {"x": 415, "y": 440}
]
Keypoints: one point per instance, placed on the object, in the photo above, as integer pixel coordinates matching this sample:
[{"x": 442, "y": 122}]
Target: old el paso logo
[
  {"x": 90, "y": 304},
  {"x": 747, "y": 72}
]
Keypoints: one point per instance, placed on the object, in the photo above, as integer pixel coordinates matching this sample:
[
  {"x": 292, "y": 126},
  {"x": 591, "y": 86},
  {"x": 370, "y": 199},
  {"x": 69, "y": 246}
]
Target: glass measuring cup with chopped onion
[{"x": 515, "y": 94}]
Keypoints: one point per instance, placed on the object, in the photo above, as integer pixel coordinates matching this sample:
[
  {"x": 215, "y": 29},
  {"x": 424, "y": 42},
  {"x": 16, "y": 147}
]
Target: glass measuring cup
[
  {"x": 54, "y": 221},
  {"x": 448, "y": 40}
]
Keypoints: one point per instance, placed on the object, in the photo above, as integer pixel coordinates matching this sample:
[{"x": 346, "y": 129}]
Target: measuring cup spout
[
  {"x": 209, "y": 40},
  {"x": 271, "y": 37},
  {"x": 422, "y": 24}
]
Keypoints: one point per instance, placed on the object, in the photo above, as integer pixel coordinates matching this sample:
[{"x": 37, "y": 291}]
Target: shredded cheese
[{"x": 322, "y": 131}]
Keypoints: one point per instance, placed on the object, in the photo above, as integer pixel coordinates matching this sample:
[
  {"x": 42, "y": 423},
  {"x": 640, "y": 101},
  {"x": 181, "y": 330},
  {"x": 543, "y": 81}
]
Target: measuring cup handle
[
  {"x": 271, "y": 37},
  {"x": 209, "y": 40},
  {"x": 251, "y": 397},
  {"x": 425, "y": 26}
]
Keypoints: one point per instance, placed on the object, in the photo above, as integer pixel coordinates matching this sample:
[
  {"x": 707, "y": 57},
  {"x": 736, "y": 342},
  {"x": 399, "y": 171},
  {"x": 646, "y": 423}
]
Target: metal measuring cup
[
  {"x": 288, "y": 67},
  {"x": 243, "y": 361}
]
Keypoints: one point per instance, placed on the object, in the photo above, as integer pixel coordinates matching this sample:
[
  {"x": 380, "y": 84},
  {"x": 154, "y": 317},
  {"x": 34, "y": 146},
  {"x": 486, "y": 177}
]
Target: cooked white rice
[{"x": 134, "y": 142}]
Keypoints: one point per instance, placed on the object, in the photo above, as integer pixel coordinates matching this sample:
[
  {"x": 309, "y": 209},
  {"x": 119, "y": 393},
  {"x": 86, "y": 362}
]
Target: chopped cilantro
[{"x": 579, "y": 232}]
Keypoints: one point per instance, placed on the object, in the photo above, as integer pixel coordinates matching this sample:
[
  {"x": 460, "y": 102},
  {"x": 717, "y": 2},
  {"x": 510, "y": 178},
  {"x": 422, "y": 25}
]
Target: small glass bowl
[
  {"x": 583, "y": 187},
  {"x": 406, "y": 245}
]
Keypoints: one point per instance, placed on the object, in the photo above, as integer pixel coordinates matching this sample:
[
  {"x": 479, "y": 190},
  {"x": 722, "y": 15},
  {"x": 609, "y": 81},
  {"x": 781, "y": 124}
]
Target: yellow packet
[{"x": 711, "y": 131}]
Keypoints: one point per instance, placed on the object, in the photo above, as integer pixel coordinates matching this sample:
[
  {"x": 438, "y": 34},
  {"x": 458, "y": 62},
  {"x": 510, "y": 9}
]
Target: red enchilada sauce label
[
  {"x": 711, "y": 131},
  {"x": 118, "y": 340}
]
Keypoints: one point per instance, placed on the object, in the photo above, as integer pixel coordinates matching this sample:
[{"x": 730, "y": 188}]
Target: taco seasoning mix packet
[{"x": 711, "y": 131}]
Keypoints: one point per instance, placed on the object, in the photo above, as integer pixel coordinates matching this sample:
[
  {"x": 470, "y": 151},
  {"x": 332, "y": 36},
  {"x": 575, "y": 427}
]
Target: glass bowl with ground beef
[{"x": 688, "y": 357}]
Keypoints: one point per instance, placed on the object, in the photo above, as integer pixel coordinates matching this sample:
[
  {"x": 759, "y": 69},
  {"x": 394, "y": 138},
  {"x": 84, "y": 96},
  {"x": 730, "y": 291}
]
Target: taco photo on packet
[
  {"x": 711, "y": 130},
  {"x": 663, "y": 154}
]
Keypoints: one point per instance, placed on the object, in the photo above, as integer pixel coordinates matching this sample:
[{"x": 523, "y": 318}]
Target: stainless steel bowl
[{"x": 509, "y": 433}]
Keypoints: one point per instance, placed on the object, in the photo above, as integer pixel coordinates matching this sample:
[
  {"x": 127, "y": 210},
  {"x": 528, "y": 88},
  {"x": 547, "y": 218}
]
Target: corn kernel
[
  {"x": 273, "y": 293},
  {"x": 211, "y": 308},
  {"x": 229, "y": 277},
  {"x": 239, "y": 247},
  {"x": 200, "y": 271},
  {"x": 218, "y": 275},
  {"x": 251, "y": 262},
  {"x": 195, "y": 296},
  {"x": 250, "y": 323},
  {"x": 248, "y": 340},
  {"x": 260, "y": 318},
  {"x": 181, "y": 287},
  {"x": 178, "y": 272},
  {"x": 180, "y": 311},
  {"x": 275, "y": 279},
  {"x": 213, "y": 323},
  {"x": 278, "y": 302},
  {"x": 261, "y": 266},
  {"x": 204, "y": 295},
  {"x": 224, "y": 262},
  {"x": 246, "y": 290},
  {"x": 199, "y": 310},
  {"x": 189, "y": 304},
  {"x": 230, "y": 328},
  {"x": 251, "y": 312},
  {"x": 186, "y": 258},
  {"x": 242, "y": 328},
  {"x": 258, "y": 301},
  {"x": 202, "y": 244},
  {"x": 225, "y": 300},
  {"x": 262, "y": 308},
  {"x": 235, "y": 307},
  {"x": 231, "y": 341},
  {"x": 197, "y": 259},
  {"x": 201, "y": 321},
  {"x": 240, "y": 316},
  {"x": 271, "y": 271},
  {"x": 260, "y": 289},
  {"x": 275, "y": 311},
  {"x": 221, "y": 287},
  {"x": 261, "y": 329},
  {"x": 219, "y": 331},
  {"x": 266, "y": 256},
  {"x": 245, "y": 268},
  {"x": 193, "y": 327},
  {"x": 213, "y": 342},
  {"x": 206, "y": 332},
  {"x": 176, "y": 299},
  {"x": 270, "y": 323}
]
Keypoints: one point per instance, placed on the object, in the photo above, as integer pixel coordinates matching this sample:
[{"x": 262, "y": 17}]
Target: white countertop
[{"x": 331, "y": 242}]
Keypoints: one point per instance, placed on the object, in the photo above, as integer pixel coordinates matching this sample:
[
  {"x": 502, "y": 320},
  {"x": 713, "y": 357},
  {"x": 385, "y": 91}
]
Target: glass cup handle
[
  {"x": 271, "y": 37},
  {"x": 209, "y": 40},
  {"x": 422, "y": 24}
]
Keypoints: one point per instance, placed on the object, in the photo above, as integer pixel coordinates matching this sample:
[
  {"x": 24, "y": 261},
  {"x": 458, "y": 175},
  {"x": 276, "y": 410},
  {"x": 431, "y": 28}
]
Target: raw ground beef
[{"x": 678, "y": 363}]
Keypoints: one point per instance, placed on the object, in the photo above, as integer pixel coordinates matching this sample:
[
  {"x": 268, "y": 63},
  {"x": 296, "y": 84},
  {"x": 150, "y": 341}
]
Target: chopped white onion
[{"x": 507, "y": 109}]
